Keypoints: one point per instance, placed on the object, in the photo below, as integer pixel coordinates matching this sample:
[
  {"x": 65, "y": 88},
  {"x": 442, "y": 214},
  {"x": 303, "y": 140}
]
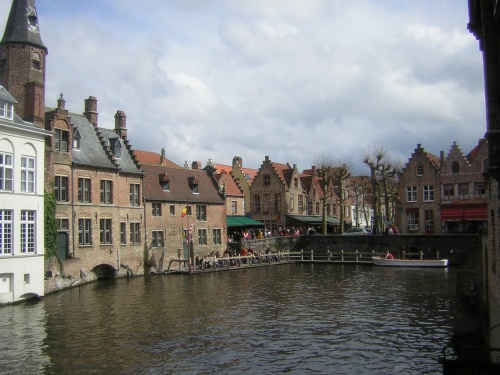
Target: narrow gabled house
[
  {"x": 419, "y": 194},
  {"x": 184, "y": 210},
  {"x": 21, "y": 204},
  {"x": 464, "y": 202},
  {"x": 276, "y": 192}
]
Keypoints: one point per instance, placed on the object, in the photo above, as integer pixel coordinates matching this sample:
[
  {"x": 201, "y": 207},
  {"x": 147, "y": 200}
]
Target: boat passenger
[{"x": 389, "y": 256}]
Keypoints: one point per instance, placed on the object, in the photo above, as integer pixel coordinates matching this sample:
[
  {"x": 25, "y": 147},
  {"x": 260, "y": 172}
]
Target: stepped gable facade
[
  {"x": 277, "y": 191},
  {"x": 183, "y": 207},
  {"x": 464, "y": 200},
  {"x": 420, "y": 195}
]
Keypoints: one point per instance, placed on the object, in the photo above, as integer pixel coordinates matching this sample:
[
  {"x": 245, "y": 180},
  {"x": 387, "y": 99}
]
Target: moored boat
[{"x": 378, "y": 261}]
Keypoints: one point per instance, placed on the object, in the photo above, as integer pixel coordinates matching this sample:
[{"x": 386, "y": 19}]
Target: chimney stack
[
  {"x": 121, "y": 124},
  {"x": 91, "y": 110}
]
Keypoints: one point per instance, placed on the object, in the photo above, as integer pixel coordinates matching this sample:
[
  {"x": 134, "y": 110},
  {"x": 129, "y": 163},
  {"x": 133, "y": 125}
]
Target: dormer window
[
  {"x": 7, "y": 110},
  {"x": 165, "y": 182},
  {"x": 193, "y": 182},
  {"x": 116, "y": 147},
  {"x": 420, "y": 170},
  {"x": 76, "y": 139}
]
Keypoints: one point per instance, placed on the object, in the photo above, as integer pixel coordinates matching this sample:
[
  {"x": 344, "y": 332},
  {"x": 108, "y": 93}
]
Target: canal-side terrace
[{"x": 460, "y": 250}]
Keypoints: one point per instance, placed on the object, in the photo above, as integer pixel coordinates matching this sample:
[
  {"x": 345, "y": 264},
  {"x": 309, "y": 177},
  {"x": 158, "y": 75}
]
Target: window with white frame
[
  {"x": 6, "y": 110},
  {"x": 201, "y": 212},
  {"x": 135, "y": 233},
  {"x": 412, "y": 221},
  {"x": 84, "y": 231},
  {"x": 134, "y": 194},
  {"x": 217, "y": 236},
  {"x": 202, "y": 236},
  {"x": 6, "y": 172},
  {"x": 428, "y": 193},
  {"x": 5, "y": 232},
  {"x": 234, "y": 207},
  {"x": 105, "y": 231},
  {"x": 157, "y": 238},
  {"x": 84, "y": 190},
  {"x": 27, "y": 232},
  {"x": 27, "y": 174},
  {"x": 411, "y": 193}
]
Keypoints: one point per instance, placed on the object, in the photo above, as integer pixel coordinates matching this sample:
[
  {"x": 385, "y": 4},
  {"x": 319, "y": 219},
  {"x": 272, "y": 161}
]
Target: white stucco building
[{"x": 22, "y": 147}]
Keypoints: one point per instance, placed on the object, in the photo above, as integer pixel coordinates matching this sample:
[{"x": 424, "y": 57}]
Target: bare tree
[
  {"x": 333, "y": 173},
  {"x": 384, "y": 172}
]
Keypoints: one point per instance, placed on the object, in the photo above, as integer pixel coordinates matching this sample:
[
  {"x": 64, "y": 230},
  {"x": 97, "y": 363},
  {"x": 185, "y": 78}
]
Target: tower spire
[
  {"x": 22, "y": 25},
  {"x": 22, "y": 61}
]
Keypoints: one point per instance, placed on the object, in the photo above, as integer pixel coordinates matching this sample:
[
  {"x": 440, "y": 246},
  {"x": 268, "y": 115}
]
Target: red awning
[{"x": 464, "y": 213}]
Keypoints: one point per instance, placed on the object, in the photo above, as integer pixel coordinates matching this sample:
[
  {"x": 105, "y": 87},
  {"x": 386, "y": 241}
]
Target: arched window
[{"x": 455, "y": 167}]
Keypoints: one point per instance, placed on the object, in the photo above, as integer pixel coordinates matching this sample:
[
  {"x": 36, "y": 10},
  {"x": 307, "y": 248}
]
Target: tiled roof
[
  {"x": 433, "y": 159},
  {"x": 232, "y": 188},
  {"x": 147, "y": 157},
  {"x": 180, "y": 189},
  {"x": 248, "y": 172},
  {"x": 281, "y": 172}
]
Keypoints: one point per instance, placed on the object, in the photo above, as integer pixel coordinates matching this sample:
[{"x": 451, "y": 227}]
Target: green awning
[
  {"x": 314, "y": 219},
  {"x": 243, "y": 221}
]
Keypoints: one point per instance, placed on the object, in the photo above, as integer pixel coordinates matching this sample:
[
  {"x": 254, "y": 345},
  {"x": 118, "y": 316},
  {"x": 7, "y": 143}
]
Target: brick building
[
  {"x": 420, "y": 194},
  {"x": 464, "y": 203},
  {"x": 184, "y": 208},
  {"x": 91, "y": 170},
  {"x": 277, "y": 191}
]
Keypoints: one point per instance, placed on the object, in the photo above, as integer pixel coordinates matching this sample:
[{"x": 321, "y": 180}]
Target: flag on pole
[{"x": 184, "y": 211}]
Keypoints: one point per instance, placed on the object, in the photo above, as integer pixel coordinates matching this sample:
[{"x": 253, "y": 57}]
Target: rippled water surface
[{"x": 296, "y": 319}]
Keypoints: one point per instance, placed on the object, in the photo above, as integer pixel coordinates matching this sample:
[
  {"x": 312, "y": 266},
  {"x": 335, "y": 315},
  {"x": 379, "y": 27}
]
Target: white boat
[{"x": 378, "y": 261}]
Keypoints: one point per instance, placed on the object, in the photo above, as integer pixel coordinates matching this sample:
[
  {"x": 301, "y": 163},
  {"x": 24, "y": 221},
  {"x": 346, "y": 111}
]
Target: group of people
[{"x": 233, "y": 257}]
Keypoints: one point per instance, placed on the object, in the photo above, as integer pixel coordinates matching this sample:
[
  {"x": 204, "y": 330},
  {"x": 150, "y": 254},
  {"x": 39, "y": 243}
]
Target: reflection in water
[{"x": 329, "y": 319}]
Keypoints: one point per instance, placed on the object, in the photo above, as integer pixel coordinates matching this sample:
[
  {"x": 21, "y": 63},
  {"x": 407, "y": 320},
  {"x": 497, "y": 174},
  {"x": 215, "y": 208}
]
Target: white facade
[{"x": 22, "y": 147}]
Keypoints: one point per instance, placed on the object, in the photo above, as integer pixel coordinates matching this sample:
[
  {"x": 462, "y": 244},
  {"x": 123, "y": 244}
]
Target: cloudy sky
[{"x": 290, "y": 79}]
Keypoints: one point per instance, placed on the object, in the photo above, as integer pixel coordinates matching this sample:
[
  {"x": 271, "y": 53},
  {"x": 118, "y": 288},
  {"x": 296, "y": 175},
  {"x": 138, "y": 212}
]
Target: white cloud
[{"x": 283, "y": 78}]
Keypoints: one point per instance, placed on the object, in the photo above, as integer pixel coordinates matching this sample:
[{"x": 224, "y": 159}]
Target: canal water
[{"x": 295, "y": 319}]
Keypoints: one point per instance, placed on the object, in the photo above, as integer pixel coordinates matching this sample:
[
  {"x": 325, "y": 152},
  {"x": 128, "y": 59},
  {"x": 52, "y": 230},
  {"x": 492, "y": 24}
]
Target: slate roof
[
  {"x": 96, "y": 147},
  {"x": 22, "y": 25},
  {"x": 180, "y": 185}
]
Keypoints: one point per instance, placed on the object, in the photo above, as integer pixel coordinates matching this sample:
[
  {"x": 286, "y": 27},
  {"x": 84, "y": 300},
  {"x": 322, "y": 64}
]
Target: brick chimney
[
  {"x": 196, "y": 165},
  {"x": 91, "y": 110},
  {"x": 121, "y": 124}
]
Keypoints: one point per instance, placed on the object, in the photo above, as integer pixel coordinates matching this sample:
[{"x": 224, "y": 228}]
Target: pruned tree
[
  {"x": 333, "y": 173},
  {"x": 384, "y": 172}
]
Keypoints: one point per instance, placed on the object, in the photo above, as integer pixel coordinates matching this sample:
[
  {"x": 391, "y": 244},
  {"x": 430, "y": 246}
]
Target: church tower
[{"x": 22, "y": 61}]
